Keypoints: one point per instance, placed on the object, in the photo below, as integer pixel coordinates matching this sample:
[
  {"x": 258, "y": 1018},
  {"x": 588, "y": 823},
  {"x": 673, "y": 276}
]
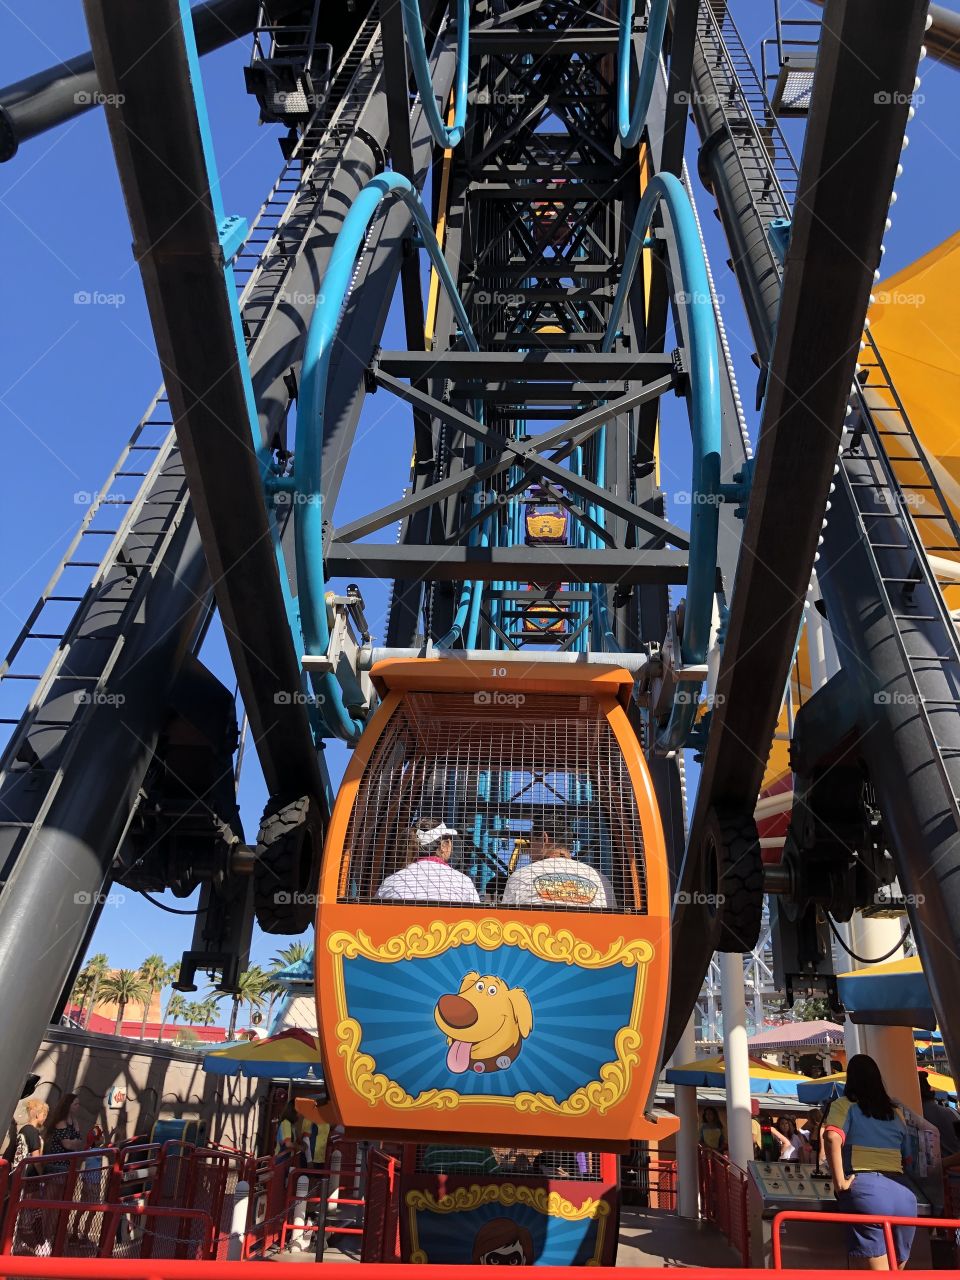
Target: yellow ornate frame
[
  {"x": 559, "y": 946},
  {"x": 464, "y": 1199}
]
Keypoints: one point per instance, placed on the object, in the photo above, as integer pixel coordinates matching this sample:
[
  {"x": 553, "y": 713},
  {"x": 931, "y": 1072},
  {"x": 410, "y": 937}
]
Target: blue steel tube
[
  {"x": 694, "y": 296},
  {"x": 413, "y": 30},
  {"x": 630, "y": 122},
  {"x": 308, "y": 517}
]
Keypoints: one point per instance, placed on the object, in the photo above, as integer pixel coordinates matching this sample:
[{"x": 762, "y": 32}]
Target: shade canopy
[
  {"x": 892, "y": 994},
  {"x": 290, "y": 1055},
  {"x": 710, "y": 1072},
  {"x": 829, "y": 1087},
  {"x": 817, "y": 1034}
]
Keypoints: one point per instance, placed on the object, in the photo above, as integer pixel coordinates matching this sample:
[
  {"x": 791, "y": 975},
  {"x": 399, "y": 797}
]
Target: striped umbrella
[
  {"x": 829, "y": 1087},
  {"x": 710, "y": 1073},
  {"x": 290, "y": 1055}
]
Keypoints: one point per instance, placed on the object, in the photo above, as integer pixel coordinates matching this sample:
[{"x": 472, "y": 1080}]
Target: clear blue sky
[{"x": 74, "y": 379}]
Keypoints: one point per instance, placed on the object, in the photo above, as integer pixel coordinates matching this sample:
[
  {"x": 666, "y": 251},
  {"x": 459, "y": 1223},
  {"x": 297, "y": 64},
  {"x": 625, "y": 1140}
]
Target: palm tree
[
  {"x": 155, "y": 972},
  {"x": 292, "y": 954},
  {"x": 121, "y": 987},
  {"x": 94, "y": 972},
  {"x": 176, "y": 1008},
  {"x": 203, "y": 1012},
  {"x": 78, "y": 996},
  {"x": 251, "y": 989}
]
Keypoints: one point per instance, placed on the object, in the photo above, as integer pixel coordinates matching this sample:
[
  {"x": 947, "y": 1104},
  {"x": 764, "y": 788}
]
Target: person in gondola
[
  {"x": 554, "y": 878},
  {"x": 428, "y": 876}
]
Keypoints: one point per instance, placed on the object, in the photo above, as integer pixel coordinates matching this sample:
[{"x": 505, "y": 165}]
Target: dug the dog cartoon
[{"x": 485, "y": 1023}]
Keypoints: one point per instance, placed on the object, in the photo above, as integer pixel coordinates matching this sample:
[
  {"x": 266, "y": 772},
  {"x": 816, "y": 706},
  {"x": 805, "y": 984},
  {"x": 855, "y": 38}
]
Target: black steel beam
[
  {"x": 557, "y": 193},
  {"x": 48, "y": 98},
  {"x": 548, "y": 366},
  {"x": 572, "y": 40},
  {"x": 867, "y": 62},
  {"x": 142, "y": 64},
  {"x": 525, "y": 564},
  {"x": 525, "y": 453}
]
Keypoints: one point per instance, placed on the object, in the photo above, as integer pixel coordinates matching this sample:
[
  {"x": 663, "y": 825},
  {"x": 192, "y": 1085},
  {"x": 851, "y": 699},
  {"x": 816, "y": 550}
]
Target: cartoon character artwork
[
  {"x": 485, "y": 1023},
  {"x": 501, "y": 1242}
]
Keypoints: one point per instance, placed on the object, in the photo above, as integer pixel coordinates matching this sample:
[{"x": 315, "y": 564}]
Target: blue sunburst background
[
  {"x": 448, "y": 1237},
  {"x": 576, "y": 1016}
]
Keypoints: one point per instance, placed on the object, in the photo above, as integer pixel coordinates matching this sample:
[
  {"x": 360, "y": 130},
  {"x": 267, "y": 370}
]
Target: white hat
[{"x": 425, "y": 838}]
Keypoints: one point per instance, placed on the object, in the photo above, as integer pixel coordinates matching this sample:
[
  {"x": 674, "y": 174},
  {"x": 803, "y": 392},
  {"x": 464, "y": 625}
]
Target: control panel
[{"x": 785, "y": 1180}]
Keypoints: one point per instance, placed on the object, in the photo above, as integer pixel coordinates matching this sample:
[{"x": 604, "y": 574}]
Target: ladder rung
[{"x": 932, "y": 657}]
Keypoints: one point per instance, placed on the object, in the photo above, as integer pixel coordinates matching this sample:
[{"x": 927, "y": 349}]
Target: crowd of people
[
  {"x": 37, "y": 1131},
  {"x": 552, "y": 877},
  {"x": 775, "y": 1137}
]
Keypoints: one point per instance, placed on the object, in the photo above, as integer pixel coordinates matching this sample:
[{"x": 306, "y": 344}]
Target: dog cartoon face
[{"x": 485, "y": 1022}]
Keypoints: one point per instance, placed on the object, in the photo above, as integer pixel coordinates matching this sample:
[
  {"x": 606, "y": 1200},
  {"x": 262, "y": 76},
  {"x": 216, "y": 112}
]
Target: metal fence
[{"x": 723, "y": 1199}]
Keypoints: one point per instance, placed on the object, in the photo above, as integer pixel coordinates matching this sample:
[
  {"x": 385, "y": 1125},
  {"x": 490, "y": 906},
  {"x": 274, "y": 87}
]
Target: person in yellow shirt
[
  {"x": 320, "y": 1138},
  {"x": 288, "y": 1131},
  {"x": 865, "y": 1137}
]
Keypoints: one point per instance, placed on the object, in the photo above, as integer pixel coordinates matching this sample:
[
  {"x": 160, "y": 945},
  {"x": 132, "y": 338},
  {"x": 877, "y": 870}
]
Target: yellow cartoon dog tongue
[{"x": 458, "y": 1057}]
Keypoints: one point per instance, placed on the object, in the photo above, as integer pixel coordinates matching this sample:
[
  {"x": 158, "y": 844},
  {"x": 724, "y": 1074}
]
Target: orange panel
[
  {"x": 568, "y": 1004},
  {"x": 455, "y": 675}
]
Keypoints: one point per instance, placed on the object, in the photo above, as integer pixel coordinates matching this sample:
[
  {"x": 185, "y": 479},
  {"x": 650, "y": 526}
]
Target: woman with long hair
[
  {"x": 711, "y": 1130},
  {"x": 793, "y": 1142},
  {"x": 61, "y": 1135},
  {"x": 865, "y": 1136}
]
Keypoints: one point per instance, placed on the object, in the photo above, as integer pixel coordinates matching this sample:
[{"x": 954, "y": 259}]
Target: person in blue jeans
[{"x": 865, "y": 1137}]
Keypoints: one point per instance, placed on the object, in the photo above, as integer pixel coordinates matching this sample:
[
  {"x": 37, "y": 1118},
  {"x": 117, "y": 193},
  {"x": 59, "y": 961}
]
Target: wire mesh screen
[
  {"x": 507, "y": 1162},
  {"x": 534, "y": 787}
]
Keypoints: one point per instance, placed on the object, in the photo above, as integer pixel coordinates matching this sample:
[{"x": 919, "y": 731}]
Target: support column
[
  {"x": 736, "y": 1059},
  {"x": 842, "y": 963},
  {"x": 892, "y": 1048},
  {"x": 688, "y": 1199}
]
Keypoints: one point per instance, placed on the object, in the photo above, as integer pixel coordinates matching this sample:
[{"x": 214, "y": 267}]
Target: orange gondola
[{"x": 460, "y": 999}]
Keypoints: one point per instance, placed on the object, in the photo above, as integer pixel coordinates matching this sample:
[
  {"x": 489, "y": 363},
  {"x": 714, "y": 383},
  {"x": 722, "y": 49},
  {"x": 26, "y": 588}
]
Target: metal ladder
[
  {"x": 912, "y": 505},
  {"x": 157, "y": 503}
]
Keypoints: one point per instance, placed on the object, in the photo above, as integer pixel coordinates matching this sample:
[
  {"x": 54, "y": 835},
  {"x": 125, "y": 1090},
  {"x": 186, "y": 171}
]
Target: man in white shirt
[
  {"x": 428, "y": 876},
  {"x": 553, "y": 878}
]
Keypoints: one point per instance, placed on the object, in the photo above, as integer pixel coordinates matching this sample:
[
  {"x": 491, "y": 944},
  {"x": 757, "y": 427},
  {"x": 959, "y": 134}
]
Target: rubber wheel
[
  {"x": 287, "y": 866},
  {"x": 734, "y": 868}
]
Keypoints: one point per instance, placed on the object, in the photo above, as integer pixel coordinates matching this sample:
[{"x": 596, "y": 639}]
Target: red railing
[
  {"x": 381, "y": 1213},
  {"x": 150, "y": 1232},
  {"x": 330, "y": 1190},
  {"x": 661, "y": 1181},
  {"x": 148, "y": 1269},
  {"x": 723, "y": 1198},
  {"x": 269, "y": 1179},
  {"x": 887, "y": 1223},
  {"x": 210, "y": 1186}
]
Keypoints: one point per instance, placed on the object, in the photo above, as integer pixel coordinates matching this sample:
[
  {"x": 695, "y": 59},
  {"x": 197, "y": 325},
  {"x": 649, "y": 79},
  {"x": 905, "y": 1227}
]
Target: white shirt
[
  {"x": 558, "y": 882},
  {"x": 428, "y": 880}
]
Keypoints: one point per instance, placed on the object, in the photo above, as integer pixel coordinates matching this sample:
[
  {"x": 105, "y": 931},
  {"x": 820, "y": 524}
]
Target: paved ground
[
  {"x": 654, "y": 1238},
  {"x": 648, "y": 1238}
]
